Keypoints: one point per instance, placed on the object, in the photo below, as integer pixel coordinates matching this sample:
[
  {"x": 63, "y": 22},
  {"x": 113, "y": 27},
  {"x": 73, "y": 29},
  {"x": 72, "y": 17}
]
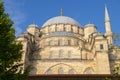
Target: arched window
[
  {"x": 88, "y": 71},
  {"x": 56, "y": 42},
  {"x": 60, "y": 70},
  {"x": 69, "y": 42},
  {"x": 101, "y": 46},
  {"x": 49, "y": 71},
  {"x": 51, "y": 54},
  {"x": 64, "y": 29},
  {"x": 69, "y": 54},
  {"x": 55, "y": 28},
  {"x": 60, "y": 53},
  {"x": 60, "y": 42},
  {"x": 71, "y": 29},
  {"x": 65, "y": 42},
  {"x": 78, "y": 30},
  {"x": 71, "y": 71},
  {"x": 86, "y": 56}
]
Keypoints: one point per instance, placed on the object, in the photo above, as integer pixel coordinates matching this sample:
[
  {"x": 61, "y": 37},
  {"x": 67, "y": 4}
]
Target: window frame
[{"x": 101, "y": 46}]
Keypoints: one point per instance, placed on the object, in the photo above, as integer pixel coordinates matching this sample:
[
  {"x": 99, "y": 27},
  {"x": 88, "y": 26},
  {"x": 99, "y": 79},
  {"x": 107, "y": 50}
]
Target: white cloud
[{"x": 15, "y": 10}]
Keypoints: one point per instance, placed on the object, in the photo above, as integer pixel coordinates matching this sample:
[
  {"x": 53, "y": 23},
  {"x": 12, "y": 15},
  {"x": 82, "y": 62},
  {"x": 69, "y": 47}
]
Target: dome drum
[{"x": 62, "y": 28}]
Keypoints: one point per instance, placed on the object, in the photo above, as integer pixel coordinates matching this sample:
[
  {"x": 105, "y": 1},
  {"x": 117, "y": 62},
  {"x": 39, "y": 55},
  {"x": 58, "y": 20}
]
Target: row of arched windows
[
  {"x": 60, "y": 42},
  {"x": 71, "y": 71},
  {"x": 60, "y": 54},
  {"x": 61, "y": 71},
  {"x": 67, "y": 55},
  {"x": 88, "y": 70},
  {"x": 71, "y": 29}
]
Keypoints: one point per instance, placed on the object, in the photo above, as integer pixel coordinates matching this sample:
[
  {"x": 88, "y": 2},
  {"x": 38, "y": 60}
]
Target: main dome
[{"x": 61, "y": 20}]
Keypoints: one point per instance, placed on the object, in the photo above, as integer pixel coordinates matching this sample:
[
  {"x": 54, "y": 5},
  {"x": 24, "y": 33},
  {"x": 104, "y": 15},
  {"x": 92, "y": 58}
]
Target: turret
[
  {"x": 33, "y": 29},
  {"x": 89, "y": 29},
  {"x": 108, "y": 33}
]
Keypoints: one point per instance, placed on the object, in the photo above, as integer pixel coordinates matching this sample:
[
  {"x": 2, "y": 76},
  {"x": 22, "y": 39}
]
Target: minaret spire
[
  {"x": 108, "y": 33},
  {"x": 107, "y": 18},
  {"x": 61, "y": 12}
]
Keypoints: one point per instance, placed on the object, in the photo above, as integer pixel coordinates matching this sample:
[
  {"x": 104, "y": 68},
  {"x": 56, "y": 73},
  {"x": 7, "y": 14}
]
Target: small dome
[
  {"x": 61, "y": 19},
  {"x": 32, "y": 25},
  {"x": 87, "y": 25},
  {"x": 58, "y": 34}
]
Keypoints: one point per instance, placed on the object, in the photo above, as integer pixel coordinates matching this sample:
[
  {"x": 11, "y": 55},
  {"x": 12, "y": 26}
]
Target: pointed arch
[
  {"x": 70, "y": 68},
  {"x": 71, "y": 71},
  {"x": 49, "y": 71},
  {"x": 88, "y": 70}
]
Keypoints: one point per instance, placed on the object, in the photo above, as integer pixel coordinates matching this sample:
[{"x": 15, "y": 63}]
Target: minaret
[{"x": 108, "y": 33}]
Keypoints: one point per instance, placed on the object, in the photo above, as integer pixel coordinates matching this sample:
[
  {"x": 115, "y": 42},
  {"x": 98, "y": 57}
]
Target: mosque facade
[{"x": 62, "y": 46}]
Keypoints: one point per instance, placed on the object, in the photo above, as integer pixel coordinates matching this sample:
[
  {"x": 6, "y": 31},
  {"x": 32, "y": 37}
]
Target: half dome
[{"x": 61, "y": 20}]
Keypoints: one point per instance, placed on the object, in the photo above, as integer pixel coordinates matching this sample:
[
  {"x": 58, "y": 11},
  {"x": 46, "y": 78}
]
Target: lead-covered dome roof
[{"x": 61, "y": 20}]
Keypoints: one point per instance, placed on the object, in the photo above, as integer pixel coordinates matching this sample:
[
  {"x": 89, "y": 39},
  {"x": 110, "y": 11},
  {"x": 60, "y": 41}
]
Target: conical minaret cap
[{"x": 106, "y": 14}]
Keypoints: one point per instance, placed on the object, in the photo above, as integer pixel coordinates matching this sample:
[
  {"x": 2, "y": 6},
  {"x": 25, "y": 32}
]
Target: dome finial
[
  {"x": 89, "y": 22},
  {"x": 33, "y": 22},
  {"x": 61, "y": 12}
]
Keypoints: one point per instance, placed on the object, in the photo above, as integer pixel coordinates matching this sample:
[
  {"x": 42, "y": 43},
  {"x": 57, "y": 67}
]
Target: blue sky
[{"x": 26, "y": 12}]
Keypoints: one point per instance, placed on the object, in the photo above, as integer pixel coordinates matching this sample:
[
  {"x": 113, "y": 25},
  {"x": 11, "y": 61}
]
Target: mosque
[{"x": 62, "y": 46}]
